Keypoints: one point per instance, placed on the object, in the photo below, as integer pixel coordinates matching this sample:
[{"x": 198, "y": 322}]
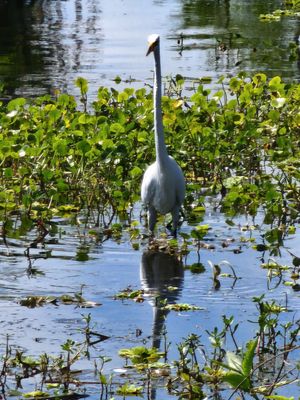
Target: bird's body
[
  {"x": 163, "y": 185},
  {"x": 163, "y": 190}
]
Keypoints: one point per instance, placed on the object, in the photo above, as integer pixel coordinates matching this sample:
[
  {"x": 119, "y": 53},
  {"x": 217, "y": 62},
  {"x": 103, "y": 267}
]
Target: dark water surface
[{"x": 45, "y": 45}]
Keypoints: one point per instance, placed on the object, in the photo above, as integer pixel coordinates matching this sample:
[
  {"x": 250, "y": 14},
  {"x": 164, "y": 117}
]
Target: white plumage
[{"x": 163, "y": 185}]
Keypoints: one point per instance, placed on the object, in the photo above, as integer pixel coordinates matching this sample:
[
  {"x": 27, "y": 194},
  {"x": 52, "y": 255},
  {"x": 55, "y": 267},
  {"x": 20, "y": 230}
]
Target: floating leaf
[
  {"x": 129, "y": 389},
  {"x": 196, "y": 268},
  {"x": 181, "y": 307},
  {"x": 36, "y": 394},
  {"x": 141, "y": 355}
]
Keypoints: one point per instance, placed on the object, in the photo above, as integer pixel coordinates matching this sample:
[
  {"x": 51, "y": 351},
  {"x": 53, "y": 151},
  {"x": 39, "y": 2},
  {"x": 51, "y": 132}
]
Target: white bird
[{"x": 163, "y": 185}]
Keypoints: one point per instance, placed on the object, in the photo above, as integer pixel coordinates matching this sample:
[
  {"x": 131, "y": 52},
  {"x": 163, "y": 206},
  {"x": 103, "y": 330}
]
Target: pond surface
[
  {"x": 46, "y": 45},
  {"x": 72, "y": 260}
]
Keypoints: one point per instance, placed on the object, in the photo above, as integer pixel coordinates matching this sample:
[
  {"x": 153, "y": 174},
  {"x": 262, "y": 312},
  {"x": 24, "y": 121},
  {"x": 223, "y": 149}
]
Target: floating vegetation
[
  {"x": 292, "y": 9},
  {"x": 129, "y": 293},
  {"x": 38, "y": 301},
  {"x": 141, "y": 356},
  {"x": 196, "y": 268},
  {"x": 130, "y": 390},
  {"x": 181, "y": 307}
]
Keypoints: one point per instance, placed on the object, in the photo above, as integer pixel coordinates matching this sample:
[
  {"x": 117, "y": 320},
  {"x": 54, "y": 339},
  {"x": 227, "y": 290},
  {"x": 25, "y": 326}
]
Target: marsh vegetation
[{"x": 70, "y": 172}]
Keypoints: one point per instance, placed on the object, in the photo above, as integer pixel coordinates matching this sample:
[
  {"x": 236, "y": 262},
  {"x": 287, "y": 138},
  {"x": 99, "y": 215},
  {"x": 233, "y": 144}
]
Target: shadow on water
[{"x": 162, "y": 277}]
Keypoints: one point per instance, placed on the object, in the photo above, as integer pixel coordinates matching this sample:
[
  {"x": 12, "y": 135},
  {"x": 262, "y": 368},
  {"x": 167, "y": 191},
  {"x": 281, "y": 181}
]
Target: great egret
[{"x": 163, "y": 185}]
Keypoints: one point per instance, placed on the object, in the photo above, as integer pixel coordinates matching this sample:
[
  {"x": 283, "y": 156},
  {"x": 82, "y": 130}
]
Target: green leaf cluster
[
  {"x": 241, "y": 141},
  {"x": 240, "y": 367}
]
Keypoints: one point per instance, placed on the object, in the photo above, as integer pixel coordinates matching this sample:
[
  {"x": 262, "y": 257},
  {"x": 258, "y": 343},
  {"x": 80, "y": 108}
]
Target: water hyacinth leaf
[
  {"x": 181, "y": 307},
  {"x": 259, "y": 79},
  {"x": 8, "y": 172},
  {"x": 196, "y": 268},
  {"x": 84, "y": 119},
  {"x": 136, "y": 172},
  {"x": 274, "y": 115},
  {"x": 54, "y": 115},
  {"x": 129, "y": 294},
  {"x": 235, "y": 84},
  {"x": 107, "y": 144},
  {"x": 129, "y": 389},
  {"x": 84, "y": 146},
  {"x": 199, "y": 209},
  {"x": 64, "y": 100},
  {"x": 142, "y": 136},
  {"x": 141, "y": 355},
  {"x": 117, "y": 79},
  {"x": 37, "y": 301},
  {"x": 16, "y": 104},
  {"x": 276, "y": 84},
  {"x": 36, "y": 394},
  {"x": 118, "y": 194},
  {"x": 200, "y": 231},
  {"x": 62, "y": 185},
  {"x": 291, "y": 230},
  {"x": 123, "y": 96},
  {"x": 53, "y": 385},
  {"x": 82, "y": 84},
  {"x": 117, "y": 128},
  {"x": 60, "y": 147}
]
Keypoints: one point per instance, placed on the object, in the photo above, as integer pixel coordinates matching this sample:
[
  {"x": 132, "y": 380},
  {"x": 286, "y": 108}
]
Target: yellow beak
[{"x": 150, "y": 49}]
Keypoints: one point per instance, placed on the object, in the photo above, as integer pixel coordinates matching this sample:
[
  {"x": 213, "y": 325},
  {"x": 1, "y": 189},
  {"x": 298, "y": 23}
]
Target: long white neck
[{"x": 160, "y": 146}]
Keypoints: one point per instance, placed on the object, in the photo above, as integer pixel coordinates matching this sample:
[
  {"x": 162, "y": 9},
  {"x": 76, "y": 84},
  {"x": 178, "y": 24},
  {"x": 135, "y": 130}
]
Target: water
[
  {"x": 45, "y": 45},
  {"x": 113, "y": 266}
]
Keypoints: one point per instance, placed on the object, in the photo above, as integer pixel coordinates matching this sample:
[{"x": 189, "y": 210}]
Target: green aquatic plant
[
  {"x": 129, "y": 293},
  {"x": 240, "y": 368},
  {"x": 196, "y": 268},
  {"x": 292, "y": 8},
  {"x": 38, "y": 301},
  {"x": 127, "y": 390},
  {"x": 245, "y": 146},
  {"x": 141, "y": 356},
  {"x": 245, "y": 369},
  {"x": 181, "y": 307}
]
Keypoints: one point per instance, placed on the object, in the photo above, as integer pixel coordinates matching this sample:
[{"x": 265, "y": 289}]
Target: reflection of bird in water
[
  {"x": 163, "y": 186},
  {"x": 162, "y": 279}
]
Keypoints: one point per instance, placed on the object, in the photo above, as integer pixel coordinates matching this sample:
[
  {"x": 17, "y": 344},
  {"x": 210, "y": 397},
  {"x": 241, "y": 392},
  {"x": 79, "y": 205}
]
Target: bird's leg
[
  {"x": 152, "y": 215},
  {"x": 175, "y": 220}
]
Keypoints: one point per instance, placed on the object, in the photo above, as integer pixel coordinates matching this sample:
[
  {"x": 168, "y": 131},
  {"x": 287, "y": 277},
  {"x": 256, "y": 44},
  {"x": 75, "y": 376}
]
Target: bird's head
[{"x": 153, "y": 42}]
